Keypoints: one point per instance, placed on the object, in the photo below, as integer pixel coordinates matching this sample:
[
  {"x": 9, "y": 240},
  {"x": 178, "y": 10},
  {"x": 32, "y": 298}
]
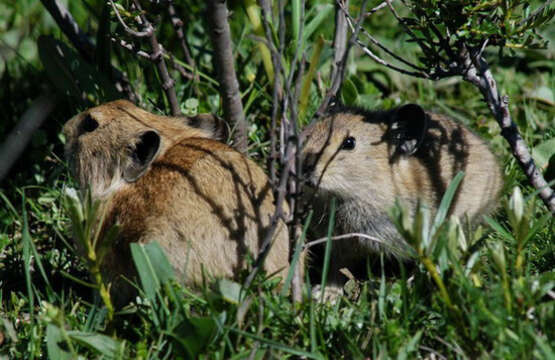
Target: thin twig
[
  {"x": 70, "y": 28},
  {"x": 139, "y": 34},
  {"x": 480, "y": 75},
  {"x": 339, "y": 39},
  {"x": 158, "y": 58},
  {"x": 342, "y": 237},
  {"x": 376, "y": 8},
  {"x": 421, "y": 73},
  {"x": 187, "y": 75},
  {"x": 455, "y": 348},
  {"x": 178, "y": 26},
  {"x": 223, "y": 58},
  {"x": 339, "y": 74},
  {"x": 131, "y": 47},
  {"x": 276, "y": 93},
  {"x": 374, "y": 41},
  {"x": 379, "y": 60},
  {"x": 405, "y": 27},
  {"x": 432, "y": 351},
  {"x": 285, "y": 107},
  {"x": 474, "y": 69},
  {"x": 535, "y": 13},
  {"x": 143, "y": 54}
]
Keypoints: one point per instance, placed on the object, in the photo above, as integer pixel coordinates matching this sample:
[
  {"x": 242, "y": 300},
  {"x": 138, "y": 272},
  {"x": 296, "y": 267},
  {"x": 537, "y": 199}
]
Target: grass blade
[
  {"x": 446, "y": 202},
  {"x": 278, "y": 346},
  {"x": 325, "y": 11},
  {"x": 327, "y": 255},
  {"x": 102, "y": 344},
  {"x": 152, "y": 266},
  {"x": 497, "y": 227}
]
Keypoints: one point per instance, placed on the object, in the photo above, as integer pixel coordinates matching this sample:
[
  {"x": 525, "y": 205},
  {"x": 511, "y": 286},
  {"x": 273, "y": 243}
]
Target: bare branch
[
  {"x": 187, "y": 75},
  {"x": 70, "y": 28},
  {"x": 339, "y": 73},
  {"x": 422, "y": 45},
  {"x": 480, "y": 75},
  {"x": 391, "y": 53},
  {"x": 139, "y": 34},
  {"x": 421, "y": 71},
  {"x": 535, "y": 13},
  {"x": 20, "y": 136},
  {"x": 158, "y": 58},
  {"x": 376, "y": 8},
  {"x": 339, "y": 39},
  {"x": 178, "y": 26},
  {"x": 143, "y": 54},
  {"x": 223, "y": 58},
  {"x": 379, "y": 60},
  {"x": 284, "y": 107},
  {"x": 131, "y": 47},
  {"x": 276, "y": 217},
  {"x": 474, "y": 69},
  {"x": 276, "y": 93}
]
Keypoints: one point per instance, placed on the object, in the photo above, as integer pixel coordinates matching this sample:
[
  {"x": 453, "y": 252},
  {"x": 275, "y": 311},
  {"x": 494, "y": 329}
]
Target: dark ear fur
[
  {"x": 409, "y": 126},
  {"x": 142, "y": 156},
  {"x": 216, "y": 127}
]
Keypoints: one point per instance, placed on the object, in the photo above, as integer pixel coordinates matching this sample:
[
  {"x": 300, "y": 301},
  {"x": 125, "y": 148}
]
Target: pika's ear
[
  {"x": 409, "y": 127},
  {"x": 214, "y": 127},
  {"x": 142, "y": 156}
]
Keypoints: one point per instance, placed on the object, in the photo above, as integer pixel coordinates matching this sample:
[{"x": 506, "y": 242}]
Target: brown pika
[
  {"x": 161, "y": 179},
  {"x": 367, "y": 159}
]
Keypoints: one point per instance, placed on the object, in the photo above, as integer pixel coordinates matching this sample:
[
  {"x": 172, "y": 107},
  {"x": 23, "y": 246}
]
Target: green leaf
[
  {"x": 55, "y": 344},
  {"x": 410, "y": 347},
  {"x": 349, "y": 92},
  {"x": 544, "y": 94},
  {"x": 497, "y": 227},
  {"x": 106, "y": 346},
  {"x": 543, "y": 152},
  {"x": 190, "y": 107},
  {"x": 152, "y": 266},
  {"x": 195, "y": 334},
  {"x": 230, "y": 290}
]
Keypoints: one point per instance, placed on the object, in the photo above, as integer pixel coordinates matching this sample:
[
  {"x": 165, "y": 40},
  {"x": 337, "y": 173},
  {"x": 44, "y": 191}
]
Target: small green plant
[{"x": 87, "y": 221}]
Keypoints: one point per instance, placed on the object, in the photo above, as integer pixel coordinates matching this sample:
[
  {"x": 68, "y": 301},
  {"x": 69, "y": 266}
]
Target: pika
[
  {"x": 161, "y": 179},
  {"x": 367, "y": 159}
]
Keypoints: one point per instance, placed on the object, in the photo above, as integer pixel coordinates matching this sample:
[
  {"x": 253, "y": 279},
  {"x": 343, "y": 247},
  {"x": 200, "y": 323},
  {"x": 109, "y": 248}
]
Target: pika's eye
[
  {"x": 349, "y": 143},
  {"x": 88, "y": 125}
]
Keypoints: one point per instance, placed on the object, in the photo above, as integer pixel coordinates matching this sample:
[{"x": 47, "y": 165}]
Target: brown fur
[
  {"x": 207, "y": 205},
  {"x": 404, "y": 153}
]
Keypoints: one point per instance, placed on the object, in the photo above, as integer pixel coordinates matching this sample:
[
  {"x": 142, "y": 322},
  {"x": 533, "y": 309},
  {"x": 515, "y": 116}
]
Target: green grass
[{"x": 485, "y": 293}]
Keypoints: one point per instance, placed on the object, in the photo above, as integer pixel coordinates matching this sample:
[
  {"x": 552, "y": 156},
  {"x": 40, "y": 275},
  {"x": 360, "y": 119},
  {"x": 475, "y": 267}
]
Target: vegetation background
[{"x": 499, "y": 280}]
